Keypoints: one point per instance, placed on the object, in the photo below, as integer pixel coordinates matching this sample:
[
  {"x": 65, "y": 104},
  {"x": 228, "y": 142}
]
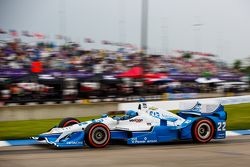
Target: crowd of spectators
[
  {"x": 197, "y": 65},
  {"x": 71, "y": 57},
  {"x": 18, "y": 55}
]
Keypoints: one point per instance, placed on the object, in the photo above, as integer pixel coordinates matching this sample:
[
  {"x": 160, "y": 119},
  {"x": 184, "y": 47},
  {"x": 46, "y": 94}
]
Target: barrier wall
[
  {"x": 11, "y": 113},
  {"x": 164, "y": 96}
]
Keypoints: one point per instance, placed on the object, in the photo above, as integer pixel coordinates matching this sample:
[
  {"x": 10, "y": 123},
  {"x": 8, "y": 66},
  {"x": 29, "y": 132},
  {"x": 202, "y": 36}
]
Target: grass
[
  {"x": 238, "y": 118},
  {"x": 26, "y": 129}
]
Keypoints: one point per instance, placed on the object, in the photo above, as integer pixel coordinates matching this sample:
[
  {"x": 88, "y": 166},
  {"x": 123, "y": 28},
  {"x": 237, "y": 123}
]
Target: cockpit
[{"x": 129, "y": 114}]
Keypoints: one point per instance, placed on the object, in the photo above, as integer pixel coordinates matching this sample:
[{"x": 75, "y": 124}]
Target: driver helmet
[{"x": 131, "y": 113}]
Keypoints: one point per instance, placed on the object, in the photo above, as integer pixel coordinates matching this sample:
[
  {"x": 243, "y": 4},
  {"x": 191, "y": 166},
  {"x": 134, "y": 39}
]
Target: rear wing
[
  {"x": 215, "y": 109},
  {"x": 190, "y": 106},
  {"x": 200, "y": 108}
]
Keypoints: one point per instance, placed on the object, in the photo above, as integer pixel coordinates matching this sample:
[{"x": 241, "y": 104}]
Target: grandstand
[{"x": 50, "y": 72}]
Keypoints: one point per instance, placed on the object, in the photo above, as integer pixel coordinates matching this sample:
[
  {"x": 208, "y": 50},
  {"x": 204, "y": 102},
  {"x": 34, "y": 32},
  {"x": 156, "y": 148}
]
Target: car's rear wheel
[
  {"x": 203, "y": 130},
  {"x": 97, "y": 135},
  {"x": 68, "y": 122}
]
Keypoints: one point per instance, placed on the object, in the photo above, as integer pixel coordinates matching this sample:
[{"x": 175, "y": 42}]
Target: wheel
[
  {"x": 97, "y": 135},
  {"x": 68, "y": 122},
  {"x": 203, "y": 130}
]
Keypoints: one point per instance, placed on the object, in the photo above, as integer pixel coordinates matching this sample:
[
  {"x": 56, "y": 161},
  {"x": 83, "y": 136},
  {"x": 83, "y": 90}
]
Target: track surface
[{"x": 234, "y": 151}]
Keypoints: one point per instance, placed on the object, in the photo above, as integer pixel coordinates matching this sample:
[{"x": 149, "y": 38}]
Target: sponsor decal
[
  {"x": 154, "y": 114},
  {"x": 221, "y": 126},
  {"x": 120, "y": 128},
  {"x": 145, "y": 140},
  {"x": 187, "y": 121},
  {"x": 153, "y": 108},
  {"x": 172, "y": 96},
  {"x": 82, "y": 123},
  {"x": 67, "y": 128},
  {"x": 151, "y": 141},
  {"x": 97, "y": 120},
  {"x": 137, "y": 120},
  {"x": 74, "y": 142}
]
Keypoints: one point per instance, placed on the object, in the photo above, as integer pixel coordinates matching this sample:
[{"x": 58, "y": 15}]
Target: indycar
[{"x": 149, "y": 124}]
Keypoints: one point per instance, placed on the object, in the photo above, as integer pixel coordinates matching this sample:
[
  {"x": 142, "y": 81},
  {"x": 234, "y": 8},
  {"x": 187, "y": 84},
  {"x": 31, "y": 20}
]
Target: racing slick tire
[
  {"x": 202, "y": 130},
  {"x": 68, "y": 122},
  {"x": 97, "y": 135}
]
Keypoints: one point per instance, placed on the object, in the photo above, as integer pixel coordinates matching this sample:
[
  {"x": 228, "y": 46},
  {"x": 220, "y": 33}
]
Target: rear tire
[
  {"x": 202, "y": 130},
  {"x": 97, "y": 135},
  {"x": 68, "y": 122}
]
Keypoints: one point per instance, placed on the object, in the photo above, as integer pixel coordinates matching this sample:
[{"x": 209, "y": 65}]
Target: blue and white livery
[{"x": 149, "y": 124}]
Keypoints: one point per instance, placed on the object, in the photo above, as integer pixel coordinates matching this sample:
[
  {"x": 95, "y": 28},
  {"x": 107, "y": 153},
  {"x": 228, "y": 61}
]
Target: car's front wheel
[
  {"x": 68, "y": 122},
  {"x": 97, "y": 135},
  {"x": 203, "y": 130}
]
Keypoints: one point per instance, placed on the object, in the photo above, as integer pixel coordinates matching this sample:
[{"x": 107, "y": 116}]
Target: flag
[
  {"x": 89, "y": 40},
  {"x": 39, "y": 35},
  {"x": 26, "y": 34},
  {"x": 13, "y": 33},
  {"x": 2, "y": 31},
  {"x": 58, "y": 36},
  {"x": 105, "y": 42},
  {"x": 36, "y": 67}
]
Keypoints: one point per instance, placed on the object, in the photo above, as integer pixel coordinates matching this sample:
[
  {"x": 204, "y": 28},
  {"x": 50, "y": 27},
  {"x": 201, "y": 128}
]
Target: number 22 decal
[{"x": 221, "y": 126}]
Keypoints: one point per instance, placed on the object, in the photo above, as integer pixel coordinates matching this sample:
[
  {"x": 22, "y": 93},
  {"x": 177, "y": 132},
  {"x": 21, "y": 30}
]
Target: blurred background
[
  {"x": 114, "y": 49},
  {"x": 85, "y": 58}
]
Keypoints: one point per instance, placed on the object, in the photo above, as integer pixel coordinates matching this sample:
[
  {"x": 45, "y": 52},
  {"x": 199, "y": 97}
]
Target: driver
[{"x": 129, "y": 114}]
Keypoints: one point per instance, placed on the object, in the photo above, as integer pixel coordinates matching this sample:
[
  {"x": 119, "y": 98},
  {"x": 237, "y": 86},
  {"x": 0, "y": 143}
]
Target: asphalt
[{"x": 233, "y": 151}]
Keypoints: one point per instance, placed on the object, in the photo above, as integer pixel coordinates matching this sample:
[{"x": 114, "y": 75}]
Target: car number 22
[{"x": 221, "y": 126}]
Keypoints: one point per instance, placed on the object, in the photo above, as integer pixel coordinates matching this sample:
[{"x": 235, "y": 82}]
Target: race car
[{"x": 149, "y": 124}]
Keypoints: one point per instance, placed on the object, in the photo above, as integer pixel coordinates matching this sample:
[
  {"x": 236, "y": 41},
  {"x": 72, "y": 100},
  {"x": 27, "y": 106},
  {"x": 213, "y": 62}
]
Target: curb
[
  {"x": 238, "y": 132},
  {"x": 24, "y": 142},
  {"x": 32, "y": 142}
]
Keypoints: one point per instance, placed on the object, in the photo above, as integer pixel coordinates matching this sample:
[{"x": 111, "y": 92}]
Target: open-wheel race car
[{"x": 147, "y": 125}]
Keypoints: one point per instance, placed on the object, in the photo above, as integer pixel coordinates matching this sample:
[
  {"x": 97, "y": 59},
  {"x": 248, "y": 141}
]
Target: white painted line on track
[
  {"x": 238, "y": 132},
  {"x": 4, "y": 143}
]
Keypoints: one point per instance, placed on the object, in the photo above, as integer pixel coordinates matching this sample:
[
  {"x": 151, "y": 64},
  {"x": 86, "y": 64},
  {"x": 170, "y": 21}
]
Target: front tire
[
  {"x": 68, "y": 122},
  {"x": 203, "y": 130},
  {"x": 97, "y": 135}
]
